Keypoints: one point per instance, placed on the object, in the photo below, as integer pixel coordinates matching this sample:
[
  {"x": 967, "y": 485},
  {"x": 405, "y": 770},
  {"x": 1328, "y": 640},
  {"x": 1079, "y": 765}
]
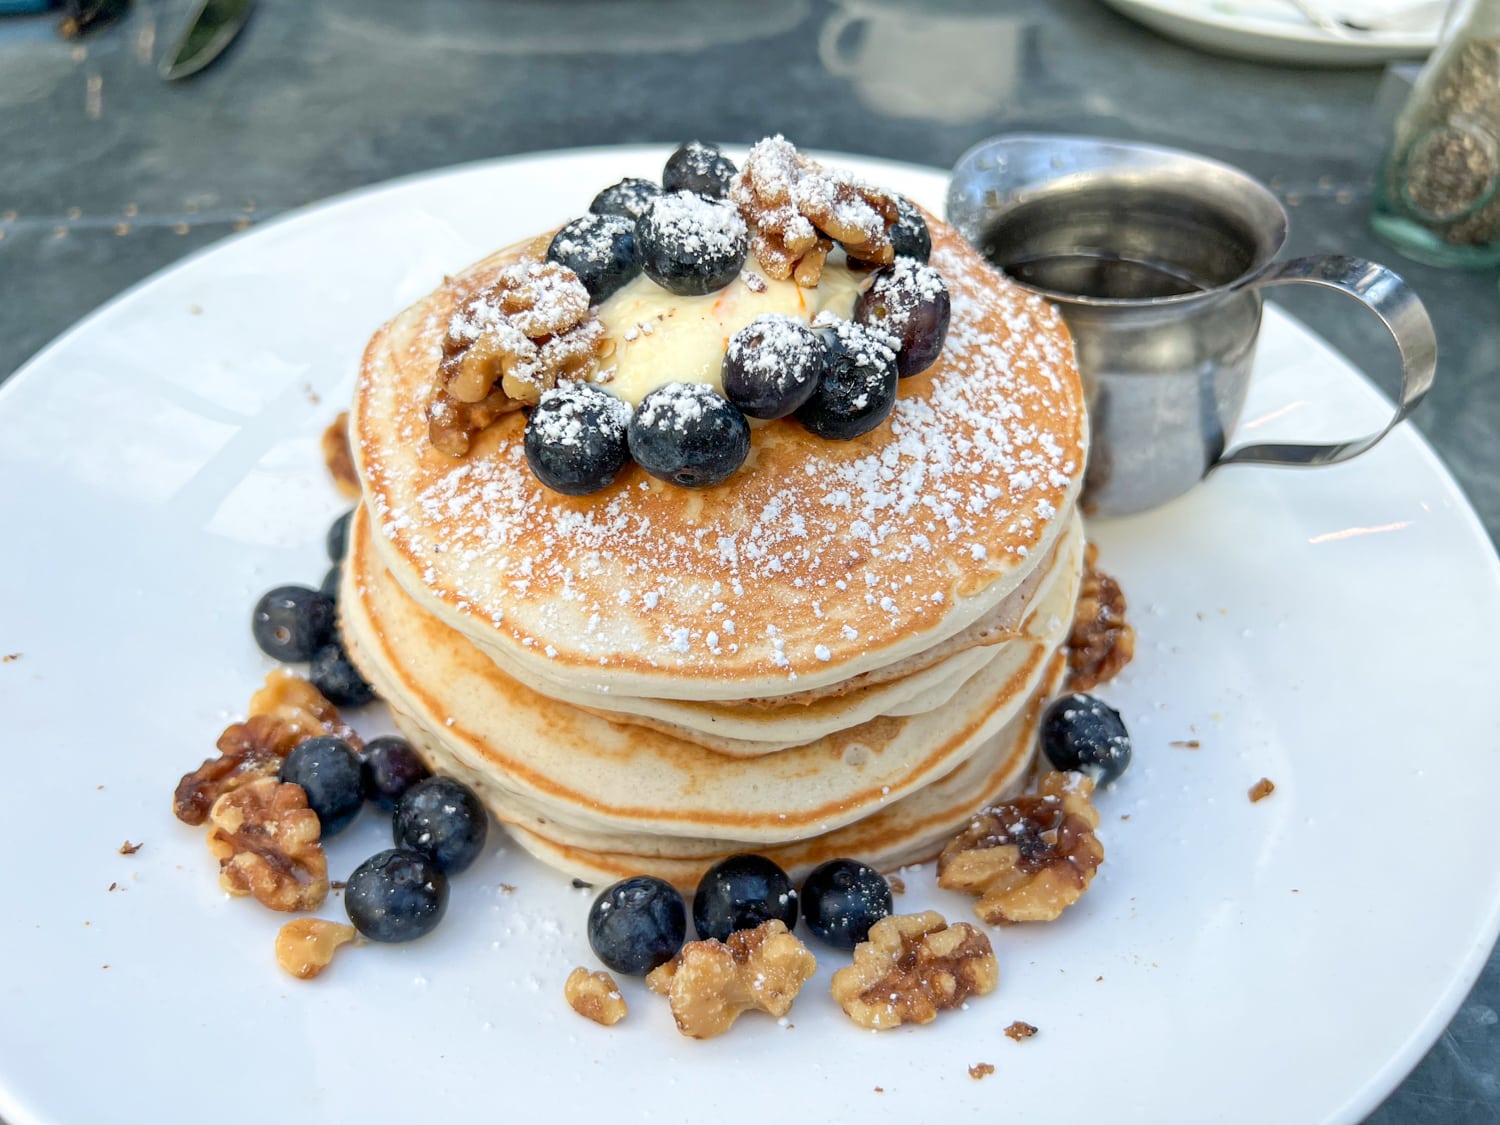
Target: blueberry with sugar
[
  {"x": 442, "y": 818},
  {"x": 691, "y": 245},
  {"x": 842, "y": 899},
  {"x": 1082, "y": 732},
  {"x": 328, "y": 770},
  {"x": 909, "y": 235},
  {"x": 637, "y": 924},
  {"x": 575, "y": 439},
  {"x": 290, "y": 623},
  {"x": 858, "y": 388},
  {"x": 630, "y": 198},
  {"x": 600, "y": 249},
  {"x": 688, "y": 434},
  {"x": 741, "y": 892},
  {"x": 909, "y": 301},
  {"x": 334, "y": 674},
  {"x": 337, "y": 539},
  {"x": 389, "y": 769},
  {"x": 396, "y": 895},
  {"x": 772, "y": 365},
  {"x": 699, "y": 167}
]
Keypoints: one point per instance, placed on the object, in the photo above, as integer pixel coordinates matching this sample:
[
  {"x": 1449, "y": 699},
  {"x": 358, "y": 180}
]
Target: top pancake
[{"x": 816, "y": 561}]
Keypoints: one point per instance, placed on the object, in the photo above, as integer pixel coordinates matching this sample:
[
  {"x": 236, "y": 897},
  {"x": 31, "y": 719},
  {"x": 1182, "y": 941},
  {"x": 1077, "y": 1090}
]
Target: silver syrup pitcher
[{"x": 1157, "y": 260}]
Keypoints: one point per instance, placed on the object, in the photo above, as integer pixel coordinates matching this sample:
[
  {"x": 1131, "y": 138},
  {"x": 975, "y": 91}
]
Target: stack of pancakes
[{"x": 842, "y": 650}]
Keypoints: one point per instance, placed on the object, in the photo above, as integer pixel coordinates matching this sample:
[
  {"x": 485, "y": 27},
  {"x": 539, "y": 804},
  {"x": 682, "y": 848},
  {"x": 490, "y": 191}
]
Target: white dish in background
[
  {"x": 1275, "y": 31},
  {"x": 1287, "y": 960}
]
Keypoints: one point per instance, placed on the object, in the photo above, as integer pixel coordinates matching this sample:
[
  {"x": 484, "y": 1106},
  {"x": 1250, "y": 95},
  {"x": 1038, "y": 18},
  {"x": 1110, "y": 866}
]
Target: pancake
[
  {"x": 468, "y": 717},
  {"x": 815, "y": 563}
]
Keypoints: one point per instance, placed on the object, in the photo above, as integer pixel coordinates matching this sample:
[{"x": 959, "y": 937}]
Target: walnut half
[
  {"x": 709, "y": 983},
  {"x": 911, "y": 967},
  {"x": 266, "y": 841},
  {"x": 1028, "y": 859}
]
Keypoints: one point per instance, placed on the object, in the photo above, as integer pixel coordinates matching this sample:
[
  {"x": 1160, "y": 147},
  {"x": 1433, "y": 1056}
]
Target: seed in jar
[
  {"x": 741, "y": 892},
  {"x": 329, "y": 772},
  {"x": 334, "y": 674},
  {"x": 691, "y": 245},
  {"x": 772, "y": 365},
  {"x": 842, "y": 899},
  {"x": 389, "y": 769},
  {"x": 1082, "y": 732},
  {"x": 700, "y": 168},
  {"x": 908, "y": 301},
  {"x": 858, "y": 389},
  {"x": 688, "y": 434},
  {"x": 441, "y": 818},
  {"x": 600, "y": 249},
  {"x": 396, "y": 895},
  {"x": 630, "y": 198},
  {"x": 290, "y": 623},
  {"x": 637, "y": 924},
  {"x": 575, "y": 440}
]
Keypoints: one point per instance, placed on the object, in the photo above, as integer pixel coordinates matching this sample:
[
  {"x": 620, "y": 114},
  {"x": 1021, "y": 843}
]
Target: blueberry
[
  {"x": 334, "y": 674},
  {"x": 331, "y": 583},
  {"x": 630, "y": 198},
  {"x": 600, "y": 249},
  {"x": 637, "y": 924},
  {"x": 909, "y": 236},
  {"x": 772, "y": 365},
  {"x": 691, "y": 245},
  {"x": 842, "y": 899},
  {"x": 441, "y": 818},
  {"x": 396, "y": 895},
  {"x": 858, "y": 387},
  {"x": 290, "y": 623},
  {"x": 698, "y": 167},
  {"x": 337, "y": 540},
  {"x": 909, "y": 301},
  {"x": 391, "y": 767},
  {"x": 740, "y": 893},
  {"x": 328, "y": 770},
  {"x": 575, "y": 438},
  {"x": 1082, "y": 732},
  {"x": 689, "y": 434}
]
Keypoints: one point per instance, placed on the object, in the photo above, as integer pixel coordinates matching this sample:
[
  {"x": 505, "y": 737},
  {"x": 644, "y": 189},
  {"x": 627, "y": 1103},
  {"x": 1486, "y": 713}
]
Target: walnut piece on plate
[
  {"x": 284, "y": 713},
  {"x": 1030, "y": 858},
  {"x": 266, "y": 840},
  {"x": 595, "y": 996},
  {"x": 505, "y": 345},
  {"x": 1101, "y": 641},
  {"x": 797, "y": 209},
  {"x": 709, "y": 983},
  {"x": 913, "y": 966},
  {"x": 305, "y": 946}
]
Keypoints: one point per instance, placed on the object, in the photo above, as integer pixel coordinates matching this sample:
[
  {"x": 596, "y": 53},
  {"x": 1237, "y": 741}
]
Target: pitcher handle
[{"x": 1385, "y": 294}]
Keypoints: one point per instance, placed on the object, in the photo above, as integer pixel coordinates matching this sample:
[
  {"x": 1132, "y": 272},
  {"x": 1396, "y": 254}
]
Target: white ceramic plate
[
  {"x": 1287, "y": 960},
  {"x": 1274, "y": 31}
]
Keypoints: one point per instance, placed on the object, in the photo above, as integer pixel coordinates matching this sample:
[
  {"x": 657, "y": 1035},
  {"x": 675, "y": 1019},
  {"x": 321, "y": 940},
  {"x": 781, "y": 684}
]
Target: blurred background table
[{"x": 108, "y": 174}]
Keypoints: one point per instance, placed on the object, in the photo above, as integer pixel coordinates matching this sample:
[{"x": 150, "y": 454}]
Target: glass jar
[{"x": 1437, "y": 194}]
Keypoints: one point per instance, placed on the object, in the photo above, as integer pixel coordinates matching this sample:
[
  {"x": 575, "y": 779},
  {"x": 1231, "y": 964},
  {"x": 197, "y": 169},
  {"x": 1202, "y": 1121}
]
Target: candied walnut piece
[
  {"x": 506, "y": 344},
  {"x": 266, "y": 841},
  {"x": 913, "y": 966},
  {"x": 339, "y": 458},
  {"x": 1030, "y": 858},
  {"x": 797, "y": 209},
  {"x": 284, "y": 713},
  {"x": 1262, "y": 789},
  {"x": 1101, "y": 642},
  {"x": 1019, "y": 1030},
  {"x": 981, "y": 1070},
  {"x": 595, "y": 996},
  {"x": 709, "y": 983},
  {"x": 305, "y": 946}
]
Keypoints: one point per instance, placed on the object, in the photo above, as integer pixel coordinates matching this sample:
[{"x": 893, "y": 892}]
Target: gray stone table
[{"x": 108, "y": 174}]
